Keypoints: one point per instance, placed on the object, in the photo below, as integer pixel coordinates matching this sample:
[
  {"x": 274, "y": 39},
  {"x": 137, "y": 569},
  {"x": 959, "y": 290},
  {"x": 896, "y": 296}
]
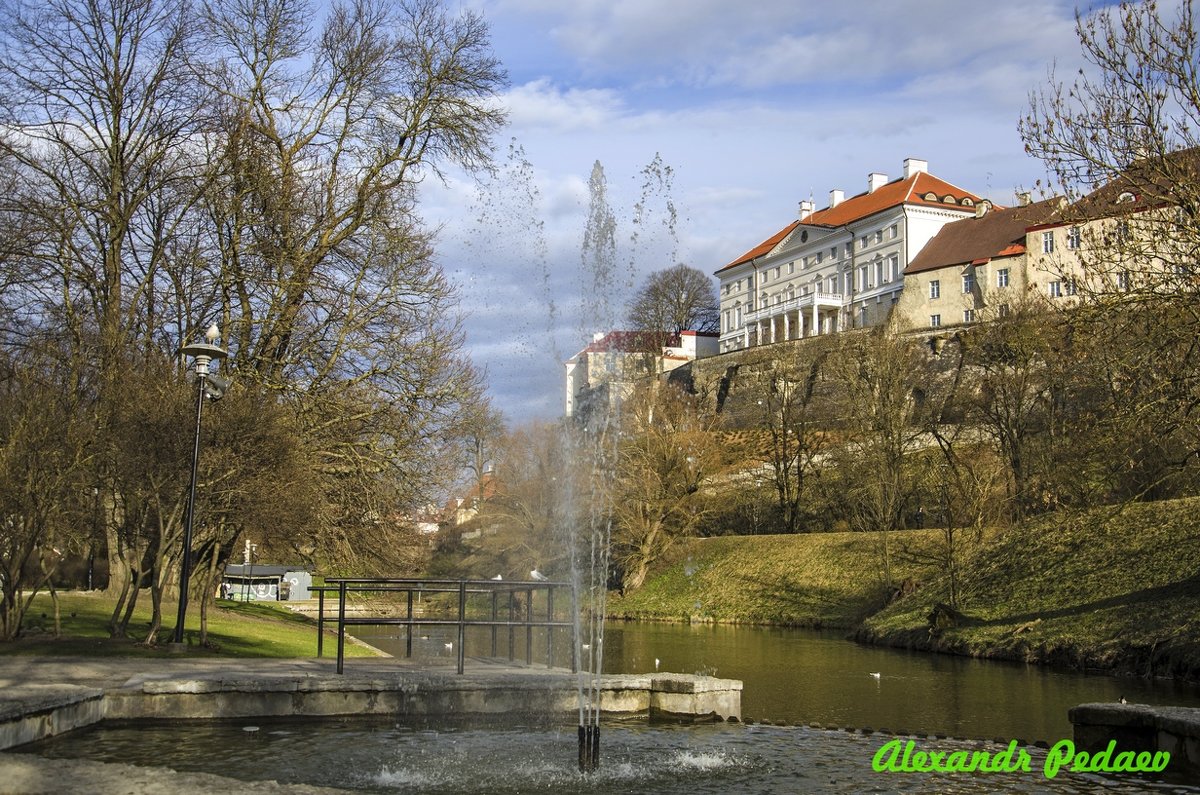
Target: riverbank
[{"x": 1113, "y": 590}]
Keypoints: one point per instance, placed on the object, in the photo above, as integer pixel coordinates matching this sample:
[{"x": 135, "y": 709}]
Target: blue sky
[{"x": 753, "y": 106}]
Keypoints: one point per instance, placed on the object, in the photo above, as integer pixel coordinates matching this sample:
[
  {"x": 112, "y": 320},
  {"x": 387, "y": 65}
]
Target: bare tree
[
  {"x": 878, "y": 379},
  {"x": 666, "y": 455},
  {"x": 795, "y": 414},
  {"x": 1119, "y": 139},
  {"x": 680, "y": 298}
]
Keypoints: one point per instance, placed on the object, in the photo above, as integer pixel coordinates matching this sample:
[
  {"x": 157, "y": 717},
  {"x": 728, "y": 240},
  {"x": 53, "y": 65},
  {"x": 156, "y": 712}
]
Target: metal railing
[{"x": 518, "y": 615}]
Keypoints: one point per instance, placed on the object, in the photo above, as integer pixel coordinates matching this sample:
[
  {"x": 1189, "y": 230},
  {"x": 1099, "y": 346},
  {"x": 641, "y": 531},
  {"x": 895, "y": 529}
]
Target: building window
[
  {"x": 862, "y": 316},
  {"x": 968, "y": 315},
  {"x": 1073, "y": 238},
  {"x": 878, "y": 270},
  {"x": 833, "y": 252},
  {"x": 776, "y": 271},
  {"x": 791, "y": 267},
  {"x": 1003, "y": 310},
  {"x": 893, "y": 231},
  {"x": 833, "y": 283},
  {"x": 1055, "y": 289},
  {"x": 1070, "y": 287},
  {"x": 935, "y": 288},
  {"x": 1002, "y": 277},
  {"x": 1123, "y": 231},
  {"x": 849, "y": 249},
  {"x": 878, "y": 235},
  {"x": 862, "y": 278},
  {"x": 819, "y": 253},
  {"x": 1123, "y": 280},
  {"x": 862, "y": 242},
  {"x": 968, "y": 282},
  {"x": 895, "y": 267},
  {"x": 935, "y": 321},
  {"x": 1047, "y": 242}
]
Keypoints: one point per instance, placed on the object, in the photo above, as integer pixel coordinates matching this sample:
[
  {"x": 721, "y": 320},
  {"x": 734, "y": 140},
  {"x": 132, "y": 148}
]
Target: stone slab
[{"x": 36, "y": 711}]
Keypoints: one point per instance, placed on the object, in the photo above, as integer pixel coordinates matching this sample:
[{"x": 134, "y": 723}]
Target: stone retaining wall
[
  {"x": 1140, "y": 727},
  {"x": 44, "y": 711}
]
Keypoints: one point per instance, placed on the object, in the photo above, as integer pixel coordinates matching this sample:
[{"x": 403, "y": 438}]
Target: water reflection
[{"x": 805, "y": 676}]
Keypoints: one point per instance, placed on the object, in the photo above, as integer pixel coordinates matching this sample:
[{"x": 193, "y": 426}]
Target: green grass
[
  {"x": 1110, "y": 589},
  {"x": 236, "y": 629},
  {"x": 823, "y": 579}
]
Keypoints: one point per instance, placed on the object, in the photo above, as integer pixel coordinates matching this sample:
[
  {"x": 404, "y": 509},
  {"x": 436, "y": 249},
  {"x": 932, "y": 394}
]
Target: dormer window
[
  {"x": 1125, "y": 197},
  {"x": 949, "y": 200},
  {"x": 967, "y": 202},
  {"x": 930, "y": 197}
]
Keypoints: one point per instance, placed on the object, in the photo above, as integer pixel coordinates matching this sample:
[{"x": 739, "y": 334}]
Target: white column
[
  {"x": 816, "y": 317},
  {"x": 787, "y": 325}
]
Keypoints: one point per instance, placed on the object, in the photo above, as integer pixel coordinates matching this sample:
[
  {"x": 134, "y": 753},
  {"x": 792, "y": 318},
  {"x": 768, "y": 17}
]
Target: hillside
[
  {"x": 822, "y": 579},
  {"x": 1114, "y": 589}
]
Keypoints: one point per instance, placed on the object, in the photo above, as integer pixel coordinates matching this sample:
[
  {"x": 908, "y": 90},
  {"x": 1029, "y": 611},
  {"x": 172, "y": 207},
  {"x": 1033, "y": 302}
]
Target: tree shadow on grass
[{"x": 1188, "y": 587}]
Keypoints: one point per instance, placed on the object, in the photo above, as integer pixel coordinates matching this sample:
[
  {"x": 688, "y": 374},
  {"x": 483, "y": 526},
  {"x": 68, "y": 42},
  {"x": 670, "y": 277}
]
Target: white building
[
  {"x": 612, "y": 363},
  {"x": 840, "y": 267}
]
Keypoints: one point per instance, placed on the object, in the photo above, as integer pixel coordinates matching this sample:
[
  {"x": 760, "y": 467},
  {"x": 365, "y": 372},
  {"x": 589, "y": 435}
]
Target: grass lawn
[
  {"x": 811, "y": 579},
  {"x": 1109, "y": 589},
  {"x": 237, "y": 629}
]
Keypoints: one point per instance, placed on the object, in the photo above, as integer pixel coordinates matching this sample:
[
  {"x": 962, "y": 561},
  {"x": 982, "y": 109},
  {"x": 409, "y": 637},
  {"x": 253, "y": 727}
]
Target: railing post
[
  {"x": 512, "y": 597},
  {"x": 549, "y": 629},
  {"x": 341, "y": 625},
  {"x": 575, "y": 619},
  {"x": 408, "y": 641},
  {"x": 462, "y": 627},
  {"x": 529, "y": 626},
  {"x": 494, "y": 595},
  {"x": 320, "y": 621}
]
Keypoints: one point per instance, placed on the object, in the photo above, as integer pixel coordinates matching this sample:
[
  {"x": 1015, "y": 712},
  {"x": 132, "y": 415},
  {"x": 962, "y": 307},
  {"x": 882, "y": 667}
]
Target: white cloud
[{"x": 539, "y": 105}]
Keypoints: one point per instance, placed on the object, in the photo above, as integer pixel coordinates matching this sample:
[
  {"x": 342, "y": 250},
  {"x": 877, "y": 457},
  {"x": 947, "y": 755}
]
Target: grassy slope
[
  {"x": 1110, "y": 590},
  {"x": 1113, "y": 589},
  {"x": 826, "y": 579},
  {"x": 254, "y": 629}
]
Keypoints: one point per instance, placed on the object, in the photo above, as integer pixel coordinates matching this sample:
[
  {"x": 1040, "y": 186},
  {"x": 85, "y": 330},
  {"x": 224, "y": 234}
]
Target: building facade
[
  {"x": 607, "y": 369},
  {"x": 840, "y": 267}
]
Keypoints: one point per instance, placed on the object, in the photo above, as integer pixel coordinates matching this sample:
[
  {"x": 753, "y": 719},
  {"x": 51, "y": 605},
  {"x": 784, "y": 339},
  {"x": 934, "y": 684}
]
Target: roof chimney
[
  {"x": 875, "y": 180},
  {"x": 806, "y": 209},
  {"x": 914, "y": 166},
  {"x": 835, "y": 197},
  {"x": 1024, "y": 198},
  {"x": 982, "y": 208}
]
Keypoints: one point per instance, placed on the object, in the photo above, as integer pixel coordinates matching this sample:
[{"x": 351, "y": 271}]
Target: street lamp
[{"x": 214, "y": 386}]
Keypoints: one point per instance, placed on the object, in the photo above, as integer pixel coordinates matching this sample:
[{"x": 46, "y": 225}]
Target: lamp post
[{"x": 204, "y": 353}]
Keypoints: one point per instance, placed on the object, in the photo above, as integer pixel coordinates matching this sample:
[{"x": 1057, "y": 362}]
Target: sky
[{"x": 710, "y": 121}]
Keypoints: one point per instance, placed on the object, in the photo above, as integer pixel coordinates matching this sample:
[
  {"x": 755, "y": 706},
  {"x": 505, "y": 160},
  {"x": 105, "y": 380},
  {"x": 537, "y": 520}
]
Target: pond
[
  {"x": 797, "y": 676},
  {"x": 792, "y": 677}
]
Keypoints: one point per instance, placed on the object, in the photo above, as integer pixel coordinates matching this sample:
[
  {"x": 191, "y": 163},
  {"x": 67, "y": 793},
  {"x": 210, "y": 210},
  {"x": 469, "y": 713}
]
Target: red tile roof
[
  {"x": 999, "y": 233},
  {"x": 765, "y": 246},
  {"x": 631, "y": 342},
  {"x": 911, "y": 190}
]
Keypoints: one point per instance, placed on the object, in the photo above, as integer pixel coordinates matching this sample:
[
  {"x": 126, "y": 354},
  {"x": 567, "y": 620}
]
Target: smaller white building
[{"x": 607, "y": 369}]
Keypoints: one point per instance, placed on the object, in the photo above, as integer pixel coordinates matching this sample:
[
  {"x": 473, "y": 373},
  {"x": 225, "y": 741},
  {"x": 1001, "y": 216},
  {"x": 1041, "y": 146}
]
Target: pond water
[
  {"x": 797, "y": 676},
  {"x": 525, "y": 755},
  {"x": 792, "y": 677}
]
